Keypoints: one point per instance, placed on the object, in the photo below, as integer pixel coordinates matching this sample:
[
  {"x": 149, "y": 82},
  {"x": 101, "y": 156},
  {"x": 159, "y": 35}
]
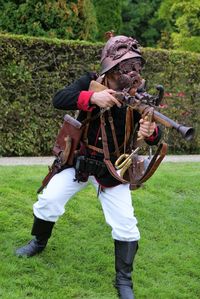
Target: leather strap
[
  {"x": 155, "y": 162},
  {"x": 94, "y": 148},
  {"x": 127, "y": 139},
  {"x": 85, "y": 132},
  {"x": 129, "y": 126},
  {"x": 110, "y": 119},
  {"x": 104, "y": 138},
  {"x": 113, "y": 172},
  {"x": 107, "y": 161}
]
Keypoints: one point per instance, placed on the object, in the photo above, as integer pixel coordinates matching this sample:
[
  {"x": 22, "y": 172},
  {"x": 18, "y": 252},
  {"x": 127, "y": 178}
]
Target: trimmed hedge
[{"x": 33, "y": 69}]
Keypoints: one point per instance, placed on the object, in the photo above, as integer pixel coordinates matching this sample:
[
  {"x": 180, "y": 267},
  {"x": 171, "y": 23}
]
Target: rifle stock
[{"x": 186, "y": 132}]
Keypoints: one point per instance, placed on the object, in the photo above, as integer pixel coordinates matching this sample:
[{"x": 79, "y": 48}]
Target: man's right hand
[{"x": 104, "y": 99}]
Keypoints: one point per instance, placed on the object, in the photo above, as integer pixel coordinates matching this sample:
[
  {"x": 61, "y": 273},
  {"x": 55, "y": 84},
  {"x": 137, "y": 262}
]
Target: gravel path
[{"x": 48, "y": 160}]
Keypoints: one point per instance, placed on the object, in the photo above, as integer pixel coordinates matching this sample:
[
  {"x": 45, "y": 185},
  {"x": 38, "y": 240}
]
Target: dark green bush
[{"x": 33, "y": 69}]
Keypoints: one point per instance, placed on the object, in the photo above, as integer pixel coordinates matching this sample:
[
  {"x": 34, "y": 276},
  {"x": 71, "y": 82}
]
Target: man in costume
[{"x": 121, "y": 64}]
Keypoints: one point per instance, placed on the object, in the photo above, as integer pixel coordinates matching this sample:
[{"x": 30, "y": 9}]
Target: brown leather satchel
[
  {"x": 67, "y": 142},
  {"x": 68, "y": 139}
]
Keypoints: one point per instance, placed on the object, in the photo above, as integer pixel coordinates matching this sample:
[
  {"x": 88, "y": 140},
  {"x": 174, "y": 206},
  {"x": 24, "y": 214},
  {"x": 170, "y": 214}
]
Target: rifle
[{"x": 145, "y": 103}]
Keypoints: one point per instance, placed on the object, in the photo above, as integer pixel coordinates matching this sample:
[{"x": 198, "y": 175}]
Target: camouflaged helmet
[{"x": 117, "y": 49}]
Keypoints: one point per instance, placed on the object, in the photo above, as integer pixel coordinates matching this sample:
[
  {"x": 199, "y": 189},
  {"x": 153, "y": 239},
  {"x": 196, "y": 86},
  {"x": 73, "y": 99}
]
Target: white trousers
[{"x": 116, "y": 204}]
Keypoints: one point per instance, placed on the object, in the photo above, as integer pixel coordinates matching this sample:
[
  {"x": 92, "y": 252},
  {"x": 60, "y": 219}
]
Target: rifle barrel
[{"x": 186, "y": 132}]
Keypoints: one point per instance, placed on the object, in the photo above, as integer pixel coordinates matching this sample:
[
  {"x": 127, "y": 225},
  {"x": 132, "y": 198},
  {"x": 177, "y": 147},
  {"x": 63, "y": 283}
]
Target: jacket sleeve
[
  {"x": 76, "y": 95},
  {"x": 155, "y": 137}
]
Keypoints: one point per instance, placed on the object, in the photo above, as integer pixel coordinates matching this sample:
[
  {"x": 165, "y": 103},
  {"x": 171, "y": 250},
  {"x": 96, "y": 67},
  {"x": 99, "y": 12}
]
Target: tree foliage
[
  {"x": 155, "y": 23},
  {"x": 62, "y": 19},
  {"x": 76, "y": 19},
  {"x": 108, "y": 16},
  {"x": 167, "y": 24},
  {"x": 181, "y": 24},
  {"x": 139, "y": 20}
]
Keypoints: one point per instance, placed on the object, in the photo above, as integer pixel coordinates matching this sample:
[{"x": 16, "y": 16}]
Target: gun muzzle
[{"x": 186, "y": 132}]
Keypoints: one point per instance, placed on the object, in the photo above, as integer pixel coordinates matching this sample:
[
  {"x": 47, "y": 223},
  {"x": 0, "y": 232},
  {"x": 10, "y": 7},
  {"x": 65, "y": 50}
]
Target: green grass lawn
[{"x": 79, "y": 261}]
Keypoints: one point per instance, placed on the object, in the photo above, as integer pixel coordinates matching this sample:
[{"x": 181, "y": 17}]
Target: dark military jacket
[{"x": 77, "y": 97}]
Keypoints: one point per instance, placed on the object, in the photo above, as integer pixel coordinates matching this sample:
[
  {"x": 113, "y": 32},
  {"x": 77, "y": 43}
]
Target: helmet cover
[{"x": 117, "y": 49}]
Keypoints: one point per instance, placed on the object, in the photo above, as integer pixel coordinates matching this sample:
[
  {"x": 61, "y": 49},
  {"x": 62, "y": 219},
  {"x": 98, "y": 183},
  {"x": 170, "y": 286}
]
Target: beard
[
  {"x": 128, "y": 82},
  {"x": 123, "y": 82}
]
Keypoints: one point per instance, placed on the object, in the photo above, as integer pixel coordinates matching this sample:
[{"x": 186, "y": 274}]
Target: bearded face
[{"x": 125, "y": 75}]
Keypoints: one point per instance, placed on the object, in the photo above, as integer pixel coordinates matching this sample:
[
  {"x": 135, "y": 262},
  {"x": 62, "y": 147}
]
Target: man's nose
[{"x": 132, "y": 73}]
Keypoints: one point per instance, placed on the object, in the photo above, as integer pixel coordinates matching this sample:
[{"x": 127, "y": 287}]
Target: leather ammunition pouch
[{"x": 89, "y": 166}]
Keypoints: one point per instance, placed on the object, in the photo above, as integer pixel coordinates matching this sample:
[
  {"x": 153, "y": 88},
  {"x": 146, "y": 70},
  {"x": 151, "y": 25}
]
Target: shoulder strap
[
  {"x": 110, "y": 119},
  {"x": 107, "y": 161},
  {"x": 155, "y": 162},
  {"x": 128, "y": 127},
  {"x": 153, "y": 165},
  {"x": 86, "y": 127},
  {"x": 86, "y": 122}
]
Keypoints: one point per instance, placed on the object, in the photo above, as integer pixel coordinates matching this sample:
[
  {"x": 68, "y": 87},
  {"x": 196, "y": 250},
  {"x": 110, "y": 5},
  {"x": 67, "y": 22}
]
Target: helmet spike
[{"x": 109, "y": 34}]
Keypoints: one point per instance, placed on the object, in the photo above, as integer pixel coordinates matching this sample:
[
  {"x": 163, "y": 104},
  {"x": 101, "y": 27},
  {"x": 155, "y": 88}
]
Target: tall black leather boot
[
  {"x": 124, "y": 256},
  {"x": 42, "y": 231}
]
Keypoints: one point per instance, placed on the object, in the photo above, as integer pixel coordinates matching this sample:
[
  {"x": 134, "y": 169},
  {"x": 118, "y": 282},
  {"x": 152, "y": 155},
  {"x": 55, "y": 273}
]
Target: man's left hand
[{"x": 146, "y": 128}]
